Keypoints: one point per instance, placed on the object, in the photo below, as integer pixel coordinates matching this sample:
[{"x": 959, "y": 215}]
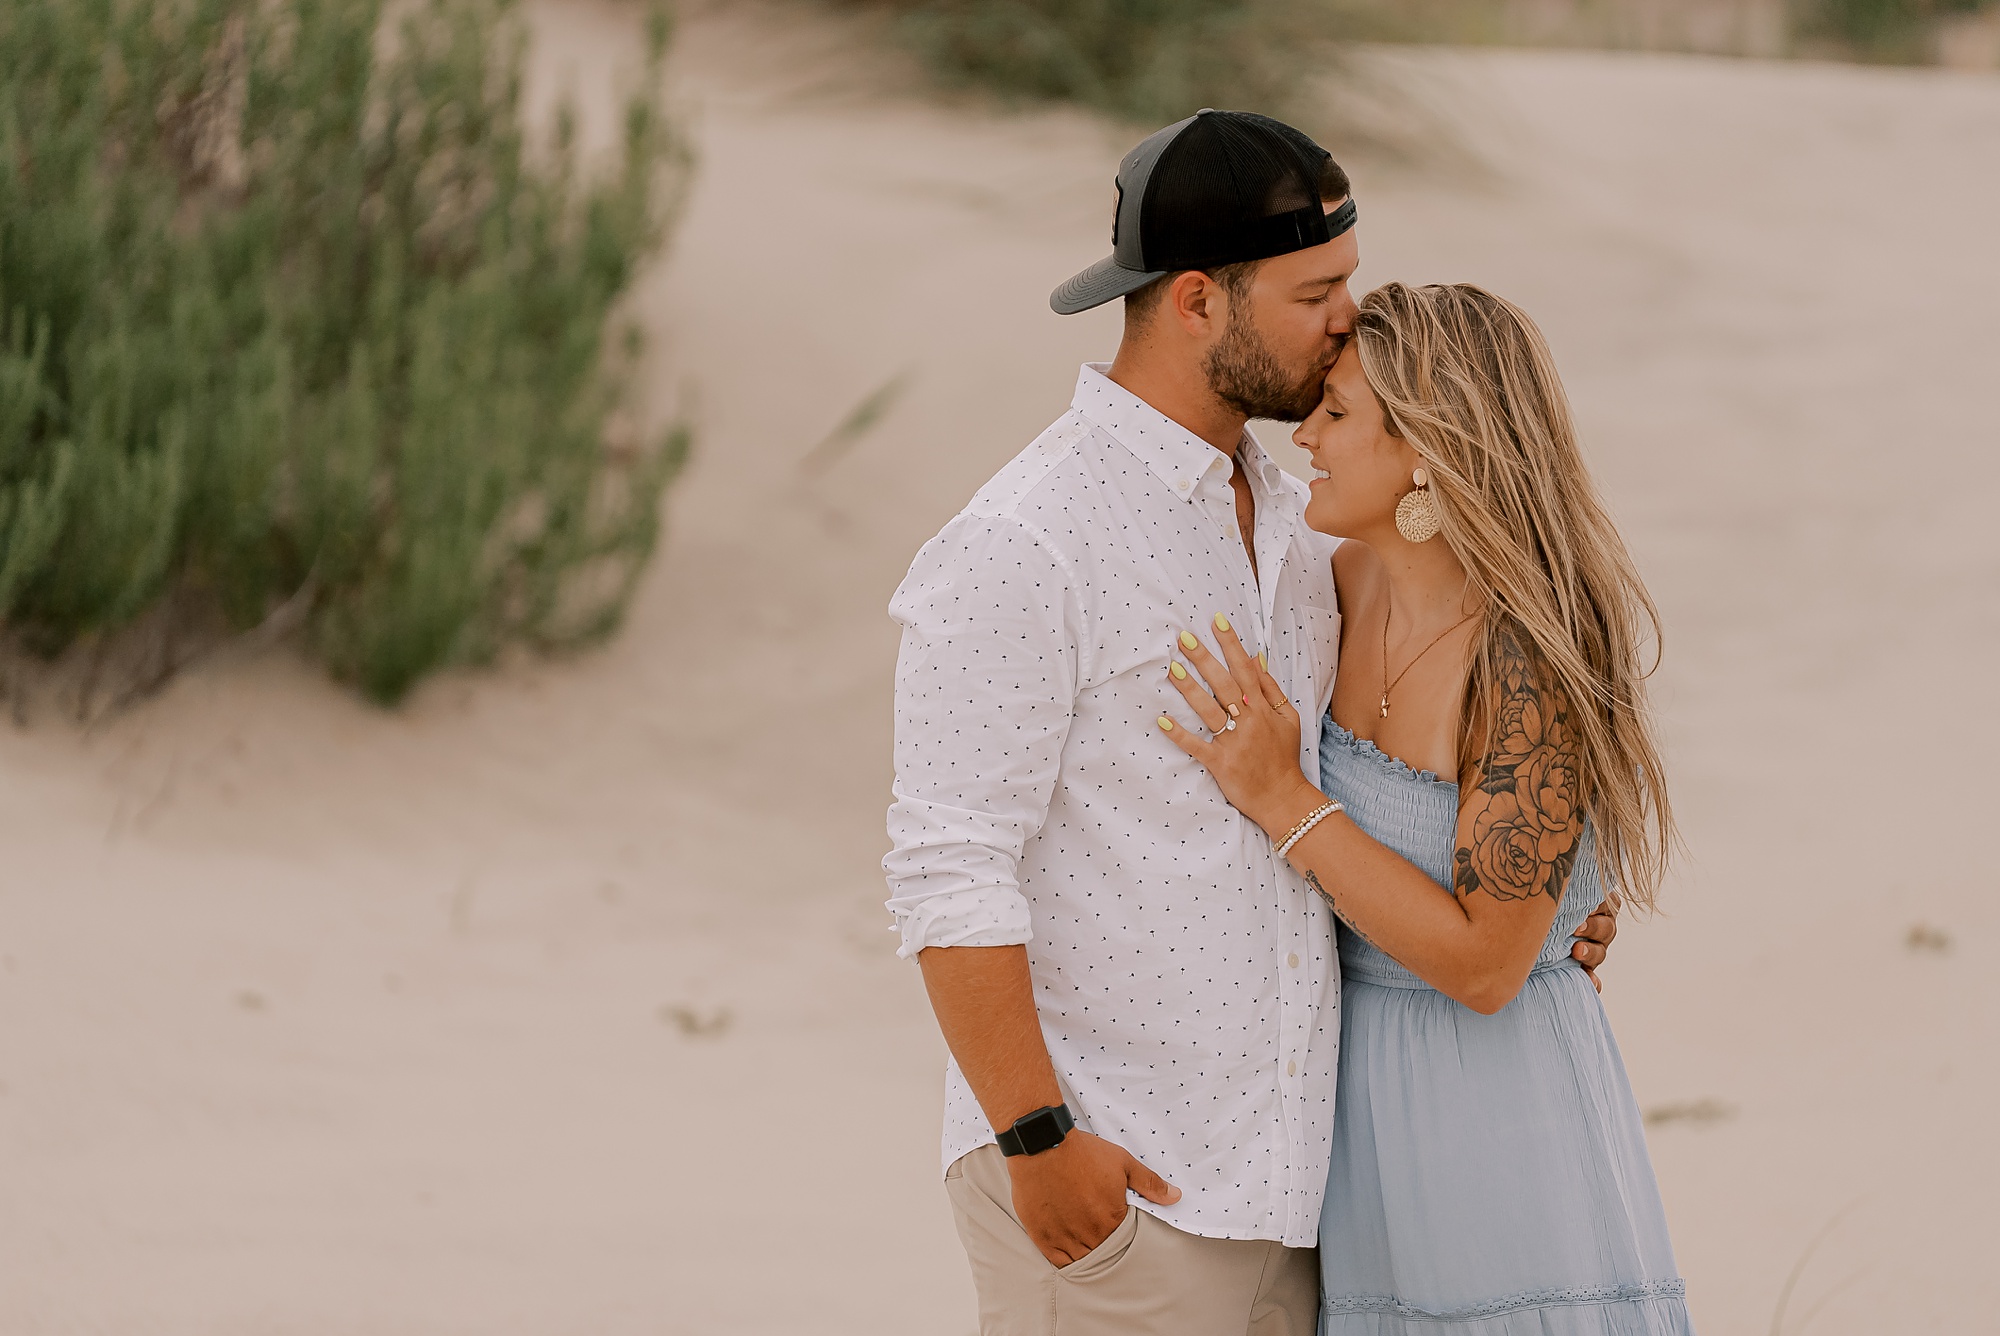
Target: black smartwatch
[{"x": 1033, "y": 1133}]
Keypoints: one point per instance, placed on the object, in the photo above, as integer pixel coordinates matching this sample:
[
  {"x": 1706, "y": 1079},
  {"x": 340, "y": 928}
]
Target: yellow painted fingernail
[
  {"x": 1221, "y": 622},
  {"x": 1188, "y": 641},
  {"x": 1180, "y": 673},
  {"x": 1264, "y": 662},
  {"x": 1166, "y": 724}
]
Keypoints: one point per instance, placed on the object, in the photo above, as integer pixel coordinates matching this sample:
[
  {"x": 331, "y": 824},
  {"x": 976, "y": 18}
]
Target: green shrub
[
  {"x": 1154, "y": 61},
  {"x": 1889, "y": 30},
  {"x": 1148, "y": 61},
  {"x": 293, "y": 314}
]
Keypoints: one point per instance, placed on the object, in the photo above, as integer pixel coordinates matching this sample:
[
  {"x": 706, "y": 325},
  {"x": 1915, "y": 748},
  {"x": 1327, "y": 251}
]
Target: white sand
[{"x": 318, "y": 1019}]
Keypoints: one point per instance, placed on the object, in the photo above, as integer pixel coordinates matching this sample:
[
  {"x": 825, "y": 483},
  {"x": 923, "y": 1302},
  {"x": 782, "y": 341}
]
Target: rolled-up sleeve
[{"x": 985, "y": 691}]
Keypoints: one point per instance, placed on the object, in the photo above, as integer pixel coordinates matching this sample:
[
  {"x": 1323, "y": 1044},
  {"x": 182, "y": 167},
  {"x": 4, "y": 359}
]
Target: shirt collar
[
  {"x": 1265, "y": 475},
  {"x": 1171, "y": 451}
]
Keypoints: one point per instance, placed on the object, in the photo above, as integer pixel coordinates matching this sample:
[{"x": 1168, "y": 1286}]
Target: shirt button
[
  {"x": 1293, "y": 960},
  {"x": 1291, "y": 1069}
]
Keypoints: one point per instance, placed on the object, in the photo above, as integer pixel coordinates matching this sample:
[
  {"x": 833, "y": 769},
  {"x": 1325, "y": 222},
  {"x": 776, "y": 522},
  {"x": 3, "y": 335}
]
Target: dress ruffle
[{"x": 1655, "y": 1308}]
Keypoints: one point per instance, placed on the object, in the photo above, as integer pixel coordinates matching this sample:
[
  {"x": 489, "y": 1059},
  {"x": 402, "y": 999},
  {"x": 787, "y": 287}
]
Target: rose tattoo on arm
[{"x": 1527, "y": 807}]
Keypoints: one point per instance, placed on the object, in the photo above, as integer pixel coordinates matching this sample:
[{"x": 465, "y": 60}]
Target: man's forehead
[{"x": 1325, "y": 264}]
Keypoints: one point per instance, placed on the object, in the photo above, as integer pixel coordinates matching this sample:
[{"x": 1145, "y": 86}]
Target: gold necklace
[{"x": 1389, "y": 686}]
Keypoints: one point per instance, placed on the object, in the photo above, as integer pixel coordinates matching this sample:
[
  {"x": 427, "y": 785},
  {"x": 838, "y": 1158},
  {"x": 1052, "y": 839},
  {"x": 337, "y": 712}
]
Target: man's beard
[{"x": 1243, "y": 373}]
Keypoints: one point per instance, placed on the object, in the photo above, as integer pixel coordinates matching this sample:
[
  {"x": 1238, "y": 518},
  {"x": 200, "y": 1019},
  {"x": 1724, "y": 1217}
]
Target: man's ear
[{"x": 1197, "y": 303}]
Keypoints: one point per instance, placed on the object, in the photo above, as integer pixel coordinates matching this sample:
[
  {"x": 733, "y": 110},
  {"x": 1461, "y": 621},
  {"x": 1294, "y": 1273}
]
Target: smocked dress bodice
[{"x": 1416, "y": 814}]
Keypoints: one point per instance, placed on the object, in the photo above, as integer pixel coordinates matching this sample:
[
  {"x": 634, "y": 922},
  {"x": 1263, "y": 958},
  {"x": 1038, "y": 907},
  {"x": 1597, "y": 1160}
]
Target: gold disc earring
[{"x": 1417, "y": 513}]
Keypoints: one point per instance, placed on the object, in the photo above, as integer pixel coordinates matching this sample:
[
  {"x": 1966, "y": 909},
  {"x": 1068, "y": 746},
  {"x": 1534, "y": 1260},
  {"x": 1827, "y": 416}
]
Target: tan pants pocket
[{"x": 1108, "y": 1253}]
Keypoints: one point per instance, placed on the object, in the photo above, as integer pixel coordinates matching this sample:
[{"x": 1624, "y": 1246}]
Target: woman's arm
[{"x": 1520, "y": 819}]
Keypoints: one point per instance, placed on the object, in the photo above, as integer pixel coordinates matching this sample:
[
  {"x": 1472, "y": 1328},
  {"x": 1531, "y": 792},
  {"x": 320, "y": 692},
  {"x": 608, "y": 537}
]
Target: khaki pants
[{"x": 1147, "y": 1279}]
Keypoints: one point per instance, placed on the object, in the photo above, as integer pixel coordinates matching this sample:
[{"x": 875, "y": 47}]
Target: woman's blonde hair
[{"x": 1467, "y": 380}]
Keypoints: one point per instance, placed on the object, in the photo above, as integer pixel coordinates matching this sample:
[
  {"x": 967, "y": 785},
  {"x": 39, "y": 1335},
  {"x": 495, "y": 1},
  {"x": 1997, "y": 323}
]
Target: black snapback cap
[{"x": 1220, "y": 187}]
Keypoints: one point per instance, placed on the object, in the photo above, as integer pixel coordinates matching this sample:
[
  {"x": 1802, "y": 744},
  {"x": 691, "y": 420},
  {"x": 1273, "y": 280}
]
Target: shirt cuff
[{"x": 986, "y": 916}]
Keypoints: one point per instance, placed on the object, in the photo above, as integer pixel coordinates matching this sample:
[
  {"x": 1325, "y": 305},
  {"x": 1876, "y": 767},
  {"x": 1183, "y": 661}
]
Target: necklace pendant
[{"x": 1385, "y": 707}]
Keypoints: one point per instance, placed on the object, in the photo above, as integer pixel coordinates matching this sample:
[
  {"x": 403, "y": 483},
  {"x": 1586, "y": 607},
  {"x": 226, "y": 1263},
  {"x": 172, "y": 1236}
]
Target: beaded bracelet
[{"x": 1312, "y": 819}]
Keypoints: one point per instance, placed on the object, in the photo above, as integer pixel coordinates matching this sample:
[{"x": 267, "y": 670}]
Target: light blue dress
[{"x": 1489, "y": 1175}]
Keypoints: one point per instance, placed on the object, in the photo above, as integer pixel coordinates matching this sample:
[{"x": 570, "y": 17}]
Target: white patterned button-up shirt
[{"x": 1185, "y": 977}]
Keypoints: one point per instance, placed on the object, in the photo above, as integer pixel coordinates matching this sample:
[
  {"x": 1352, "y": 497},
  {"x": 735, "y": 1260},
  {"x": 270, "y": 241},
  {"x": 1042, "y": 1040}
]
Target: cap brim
[{"x": 1099, "y": 284}]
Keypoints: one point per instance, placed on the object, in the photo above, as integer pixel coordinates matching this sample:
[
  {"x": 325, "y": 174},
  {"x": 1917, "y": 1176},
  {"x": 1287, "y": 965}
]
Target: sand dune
[{"x": 562, "y": 999}]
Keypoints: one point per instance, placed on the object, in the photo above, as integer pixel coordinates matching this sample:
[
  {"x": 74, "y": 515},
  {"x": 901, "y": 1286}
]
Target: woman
[{"x": 1488, "y": 773}]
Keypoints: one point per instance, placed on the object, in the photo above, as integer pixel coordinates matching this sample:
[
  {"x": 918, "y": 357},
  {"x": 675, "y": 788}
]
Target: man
[{"x": 1107, "y": 944}]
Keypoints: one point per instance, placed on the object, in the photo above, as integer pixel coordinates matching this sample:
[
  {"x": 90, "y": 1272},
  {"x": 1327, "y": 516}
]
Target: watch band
[{"x": 1033, "y": 1133}]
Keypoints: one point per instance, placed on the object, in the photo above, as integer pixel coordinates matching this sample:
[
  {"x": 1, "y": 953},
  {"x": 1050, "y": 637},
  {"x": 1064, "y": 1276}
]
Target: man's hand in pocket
[{"x": 1070, "y": 1199}]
